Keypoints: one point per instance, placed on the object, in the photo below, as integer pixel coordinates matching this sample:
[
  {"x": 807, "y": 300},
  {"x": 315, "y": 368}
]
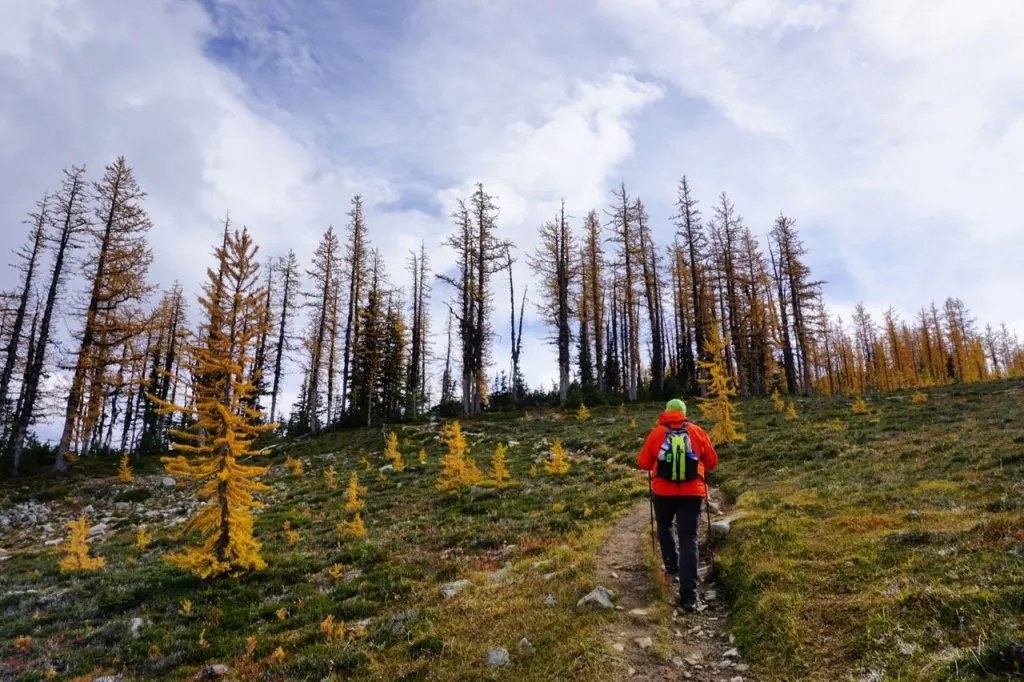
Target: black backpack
[{"x": 677, "y": 462}]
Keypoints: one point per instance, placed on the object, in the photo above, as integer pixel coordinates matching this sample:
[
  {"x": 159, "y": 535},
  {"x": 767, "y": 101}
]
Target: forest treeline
[{"x": 630, "y": 318}]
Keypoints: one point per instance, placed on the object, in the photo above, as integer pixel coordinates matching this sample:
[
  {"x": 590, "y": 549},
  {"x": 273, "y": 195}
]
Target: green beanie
[{"x": 676, "y": 405}]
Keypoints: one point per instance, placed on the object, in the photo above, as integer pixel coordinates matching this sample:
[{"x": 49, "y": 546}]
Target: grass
[{"x": 890, "y": 543}]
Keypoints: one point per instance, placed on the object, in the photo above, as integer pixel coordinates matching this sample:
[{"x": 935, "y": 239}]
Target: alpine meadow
[{"x": 373, "y": 448}]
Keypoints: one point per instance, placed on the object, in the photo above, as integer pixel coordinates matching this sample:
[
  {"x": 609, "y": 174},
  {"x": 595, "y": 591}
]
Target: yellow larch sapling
[
  {"x": 791, "y": 412},
  {"x": 457, "y": 469},
  {"x": 559, "y": 463},
  {"x": 294, "y": 465},
  {"x": 329, "y": 478},
  {"x": 142, "y": 538},
  {"x": 423, "y": 456},
  {"x": 919, "y": 398},
  {"x": 353, "y": 529},
  {"x": 777, "y": 402},
  {"x": 352, "y": 493},
  {"x": 718, "y": 406},
  {"x": 582, "y": 414},
  {"x": 860, "y": 406},
  {"x": 499, "y": 472},
  {"x": 124, "y": 471},
  {"x": 77, "y": 549}
]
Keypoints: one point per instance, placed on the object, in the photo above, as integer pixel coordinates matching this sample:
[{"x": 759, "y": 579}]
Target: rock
[
  {"x": 349, "y": 576},
  {"x": 212, "y": 671},
  {"x": 741, "y": 667},
  {"x": 914, "y": 514},
  {"x": 474, "y": 490},
  {"x": 736, "y": 679},
  {"x": 599, "y": 598},
  {"x": 644, "y": 643},
  {"x": 167, "y": 482},
  {"x": 136, "y": 625},
  {"x": 550, "y": 600},
  {"x": 719, "y": 529},
  {"x": 108, "y": 678},
  {"x": 677, "y": 662},
  {"x": 731, "y": 653},
  {"x": 496, "y": 658},
  {"x": 639, "y": 613},
  {"x": 615, "y": 575},
  {"x": 549, "y": 576},
  {"x": 710, "y": 595},
  {"x": 631, "y": 672},
  {"x": 619, "y": 646},
  {"x": 449, "y": 590},
  {"x": 693, "y": 660},
  {"x": 88, "y": 510},
  {"x": 524, "y": 646},
  {"x": 714, "y": 508},
  {"x": 98, "y": 529},
  {"x": 400, "y": 624},
  {"x": 687, "y": 674},
  {"x": 871, "y": 675},
  {"x": 500, "y": 574},
  {"x": 387, "y": 467}
]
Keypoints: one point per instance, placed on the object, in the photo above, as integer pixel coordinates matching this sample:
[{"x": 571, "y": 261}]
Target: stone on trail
[
  {"x": 619, "y": 646},
  {"x": 644, "y": 643},
  {"x": 210, "y": 671},
  {"x": 524, "y": 646},
  {"x": 449, "y": 590},
  {"x": 599, "y": 598},
  {"x": 741, "y": 667},
  {"x": 640, "y": 613},
  {"x": 136, "y": 625},
  {"x": 731, "y": 653},
  {"x": 167, "y": 482},
  {"x": 914, "y": 514},
  {"x": 496, "y": 658}
]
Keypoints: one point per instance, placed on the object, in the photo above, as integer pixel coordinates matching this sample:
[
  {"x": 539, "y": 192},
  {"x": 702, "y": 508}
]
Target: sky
[{"x": 891, "y": 131}]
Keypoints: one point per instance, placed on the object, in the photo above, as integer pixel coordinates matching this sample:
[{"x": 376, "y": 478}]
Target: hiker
[{"x": 679, "y": 454}]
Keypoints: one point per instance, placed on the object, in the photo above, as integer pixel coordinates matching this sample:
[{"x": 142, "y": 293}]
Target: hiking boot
[
  {"x": 672, "y": 574},
  {"x": 695, "y": 606}
]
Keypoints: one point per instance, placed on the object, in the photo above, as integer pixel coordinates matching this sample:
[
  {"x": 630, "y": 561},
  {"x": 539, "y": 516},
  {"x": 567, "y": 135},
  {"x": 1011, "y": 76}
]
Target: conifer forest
[{"x": 631, "y": 317}]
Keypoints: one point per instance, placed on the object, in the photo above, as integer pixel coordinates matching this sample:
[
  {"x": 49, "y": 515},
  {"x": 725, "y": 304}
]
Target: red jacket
[{"x": 707, "y": 458}]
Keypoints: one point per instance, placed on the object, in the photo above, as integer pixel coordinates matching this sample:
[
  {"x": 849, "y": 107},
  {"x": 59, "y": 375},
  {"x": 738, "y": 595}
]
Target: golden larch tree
[
  {"x": 124, "y": 470},
  {"x": 224, "y": 424},
  {"x": 352, "y": 493},
  {"x": 499, "y": 472},
  {"x": 718, "y": 406},
  {"x": 77, "y": 549},
  {"x": 457, "y": 469},
  {"x": 558, "y": 464}
]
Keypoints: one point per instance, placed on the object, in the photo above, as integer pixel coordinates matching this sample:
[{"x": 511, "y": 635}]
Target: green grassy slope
[
  {"x": 891, "y": 542},
  {"x": 830, "y": 575}
]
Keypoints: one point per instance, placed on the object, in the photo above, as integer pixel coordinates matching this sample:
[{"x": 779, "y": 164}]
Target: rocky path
[{"x": 651, "y": 639}]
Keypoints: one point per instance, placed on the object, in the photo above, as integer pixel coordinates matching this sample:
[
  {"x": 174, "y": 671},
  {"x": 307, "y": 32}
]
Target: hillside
[{"x": 870, "y": 547}]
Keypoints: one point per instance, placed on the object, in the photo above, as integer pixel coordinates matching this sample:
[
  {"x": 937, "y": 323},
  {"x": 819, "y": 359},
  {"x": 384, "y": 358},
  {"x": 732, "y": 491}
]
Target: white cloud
[{"x": 891, "y": 131}]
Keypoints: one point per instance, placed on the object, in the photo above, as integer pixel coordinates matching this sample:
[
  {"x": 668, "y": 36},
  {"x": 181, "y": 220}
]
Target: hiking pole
[{"x": 650, "y": 498}]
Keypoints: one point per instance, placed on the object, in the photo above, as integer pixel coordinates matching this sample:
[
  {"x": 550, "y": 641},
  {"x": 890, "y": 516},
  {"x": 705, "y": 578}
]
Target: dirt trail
[{"x": 693, "y": 646}]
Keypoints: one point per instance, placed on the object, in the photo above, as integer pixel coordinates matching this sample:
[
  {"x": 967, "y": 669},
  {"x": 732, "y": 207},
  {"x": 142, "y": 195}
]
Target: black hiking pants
[{"x": 685, "y": 511}]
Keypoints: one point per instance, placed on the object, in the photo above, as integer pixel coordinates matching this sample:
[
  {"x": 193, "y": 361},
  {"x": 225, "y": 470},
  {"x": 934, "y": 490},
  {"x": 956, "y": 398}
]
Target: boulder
[
  {"x": 449, "y": 590},
  {"x": 167, "y": 482},
  {"x": 211, "y": 671},
  {"x": 136, "y": 625},
  {"x": 497, "y": 658},
  {"x": 599, "y": 598}
]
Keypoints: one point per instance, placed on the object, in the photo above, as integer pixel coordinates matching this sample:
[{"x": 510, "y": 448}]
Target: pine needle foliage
[
  {"x": 224, "y": 420},
  {"x": 499, "y": 472},
  {"x": 558, "y": 464},
  {"x": 124, "y": 470},
  {"x": 77, "y": 549},
  {"x": 718, "y": 406}
]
